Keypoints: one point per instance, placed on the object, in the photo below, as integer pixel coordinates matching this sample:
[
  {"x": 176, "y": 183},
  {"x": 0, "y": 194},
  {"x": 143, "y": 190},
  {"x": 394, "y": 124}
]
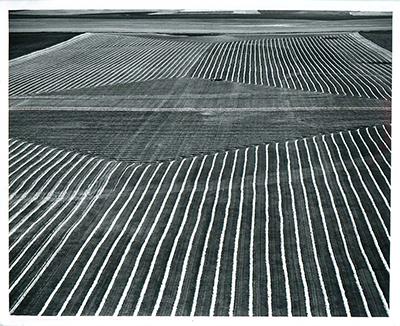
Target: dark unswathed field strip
[
  {"x": 344, "y": 64},
  {"x": 294, "y": 228},
  {"x": 91, "y": 60},
  {"x": 147, "y": 136},
  {"x": 336, "y": 64}
]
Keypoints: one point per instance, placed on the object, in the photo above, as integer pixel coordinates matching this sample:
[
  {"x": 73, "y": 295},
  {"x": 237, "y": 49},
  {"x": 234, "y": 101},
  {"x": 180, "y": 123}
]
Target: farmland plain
[
  {"x": 203, "y": 248},
  {"x": 243, "y": 173}
]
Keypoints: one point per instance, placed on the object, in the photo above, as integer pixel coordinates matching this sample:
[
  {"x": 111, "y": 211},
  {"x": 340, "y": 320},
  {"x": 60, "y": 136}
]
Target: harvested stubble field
[
  {"x": 294, "y": 228},
  {"x": 345, "y": 64},
  {"x": 144, "y": 136},
  {"x": 201, "y": 175}
]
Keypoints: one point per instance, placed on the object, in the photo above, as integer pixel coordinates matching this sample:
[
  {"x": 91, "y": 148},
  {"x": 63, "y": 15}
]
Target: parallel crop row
[
  {"x": 102, "y": 59},
  {"x": 294, "y": 228},
  {"x": 335, "y": 64}
]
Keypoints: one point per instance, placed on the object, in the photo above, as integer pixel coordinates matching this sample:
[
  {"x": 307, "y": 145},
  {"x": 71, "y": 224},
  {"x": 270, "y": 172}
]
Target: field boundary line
[{"x": 48, "y": 49}]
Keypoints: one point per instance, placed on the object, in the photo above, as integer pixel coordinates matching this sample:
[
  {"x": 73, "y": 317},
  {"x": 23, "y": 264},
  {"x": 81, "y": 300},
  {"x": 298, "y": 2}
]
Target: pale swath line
[
  {"x": 221, "y": 241},
  {"x": 274, "y": 55},
  {"x": 208, "y": 61},
  {"x": 227, "y": 55},
  {"x": 218, "y": 60},
  {"x": 83, "y": 247},
  {"x": 29, "y": 168},
  {"x": 33, "y": 185},
  {"x": 327, "y": 236},
  {"x": 167, "y": 228},
  {"x": 282, "y": 236},
  {"x": 25, "y": 146},
  {"x": 31, "y": 158},
  {"x": 206, "y": 241},
  {"x": 50, "y": 220},
  {"x": 176, "y": 240},
  {"x": 374, "y": 79},
  {"x": 57, "y": 70},
  {"x": 332, "y": 74},
  {"x": 187, "y": 58},
  {"x": 50, "y": 49},
  {"x": 53, "y": 76},
  {"x": 316, "y": 70},
  {"x": 360, "y": 43},
  {"x": 60, "y": 245},
  {"x": 31, "y": 175},
  {"x": 22, "y": 157},
  {"x": 201, "y": 64},
  {"x": 283, "y": 65},
  {"x": 363, "y": 78},
  {"x": 150, "y": 232},
  {"x": 167, "y": 59},
  {"x": 252, "y": 228},
  {"x": 364, "y": 185},
  {"x": 381, "y": 139},
  {"x": 259, "y": 62},
  {"x": 163, "y": 63},
  {"x": 270, "y": 63},
  {"x": 48, "y": 197},
  {"x": 54, "y": 232},
  {"x": 342, "y": 236},
  {"x": 387, "y": 133},
  {"x": 373, "y": 158},
  {"x": 114, "y": 244},
  {"x": 288, "y": 62},
  {"x": 139, "y": 65},
  {"x": 359, "y": 242},
  {"x": 195, "y": 60},
  {"x": 140, "y": 61},
  {"x": 36, "y": 195},
  {"x": 378, "y": 77},
  {"x": 240, "y": 74},
  {"x": 114, "y": 73},
  {"x": 237, "y": 48},
  {"x": 245, "y": 47},
  {"x": 180, "y": 67},
  {"x": 321, "y": 67},
  {"x": 301, "y": 59},
  {"x": 237, "y": 237},
  {"x": 230, "y": 55},
  {"x": 310, "y": 226},
  {"x": 85, "y": 77},
  {"x": 356, "y": 194},
  {"x": 138, "y": 228},
  {"x": 267, "y": 265},
  {"x": 299, "y": 254},
  {"x": 213, "y": 61},
  {"x": 325, "y": 48},
  {"x": 377, "y": 147},
  {"x": 377, "y": 74},
  {"x": 11, "y": 142},
  {"x": 297, "y": 62}
]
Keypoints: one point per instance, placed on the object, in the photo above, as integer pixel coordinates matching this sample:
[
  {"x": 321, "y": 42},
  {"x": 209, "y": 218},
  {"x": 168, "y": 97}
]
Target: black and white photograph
[{"x": 187, "y": 162}]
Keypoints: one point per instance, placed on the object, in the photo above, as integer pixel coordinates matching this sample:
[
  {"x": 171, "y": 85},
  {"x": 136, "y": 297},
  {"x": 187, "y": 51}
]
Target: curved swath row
[
  {"x": 294, "y": 228},
  {"x": 335, "y": 64},
  {"x": 102, "y": 59}
]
